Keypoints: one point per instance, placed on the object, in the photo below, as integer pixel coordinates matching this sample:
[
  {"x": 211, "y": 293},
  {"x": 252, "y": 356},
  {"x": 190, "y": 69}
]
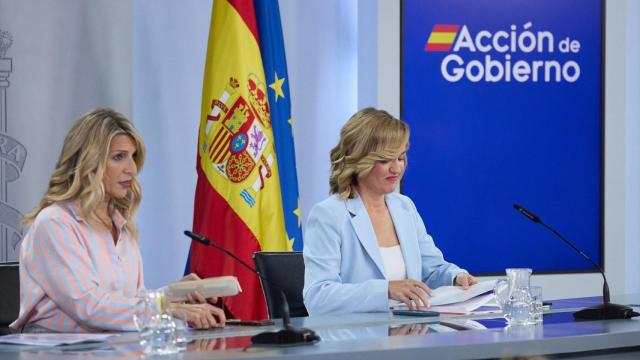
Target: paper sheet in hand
[
  {"x": 454, "y": 294},
  {"x": 210, "y": 287},
  {"x": 53, "y": 339}
]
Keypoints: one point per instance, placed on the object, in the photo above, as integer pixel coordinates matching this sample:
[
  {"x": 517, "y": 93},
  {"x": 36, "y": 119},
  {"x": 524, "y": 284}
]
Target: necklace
[{"x": 108, "y": 225}]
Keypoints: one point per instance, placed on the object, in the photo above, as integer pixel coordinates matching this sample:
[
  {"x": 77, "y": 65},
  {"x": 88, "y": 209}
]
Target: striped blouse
[{"x": 73, "y": 278}]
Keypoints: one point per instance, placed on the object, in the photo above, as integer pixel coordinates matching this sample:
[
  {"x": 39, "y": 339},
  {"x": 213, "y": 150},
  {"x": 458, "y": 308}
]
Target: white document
[
  {"x": 455, "y": 294},
  {"x": 464, "y": 307},
  {"x": 210, "y": 287},
  {"x": 53, "y": 339},
  {"x": 455, "y": 300}
]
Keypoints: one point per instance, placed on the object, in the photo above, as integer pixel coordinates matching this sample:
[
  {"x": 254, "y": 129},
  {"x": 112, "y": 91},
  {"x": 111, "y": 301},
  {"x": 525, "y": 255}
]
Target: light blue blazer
[{"x": 344, "y": 272}]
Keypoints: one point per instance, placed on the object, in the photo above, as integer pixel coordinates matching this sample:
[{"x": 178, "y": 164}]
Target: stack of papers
[
  {"x": 454, "y": 294},
  {"x": 53, "y": 339},
  {"x": 455, "y": 300},
  {"x": 465, "y": 307}
]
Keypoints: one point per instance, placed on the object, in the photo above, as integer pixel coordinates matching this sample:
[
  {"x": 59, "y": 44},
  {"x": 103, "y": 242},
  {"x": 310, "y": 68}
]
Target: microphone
[
  {"x": 604, "y": 311},
  {"x": 286, "y": 337}
]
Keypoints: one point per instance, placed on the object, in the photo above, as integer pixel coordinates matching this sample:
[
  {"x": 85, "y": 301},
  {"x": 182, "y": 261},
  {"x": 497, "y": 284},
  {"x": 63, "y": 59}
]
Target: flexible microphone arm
[
  {"x": 287, "y": 337},
  {"x": 607, "y": 310},
  {"x": 531, "y": 216},
  {"x": 285, "y": 304}
]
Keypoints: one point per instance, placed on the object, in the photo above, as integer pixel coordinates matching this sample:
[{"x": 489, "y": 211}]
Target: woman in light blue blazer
[{"x": 366, "y": 247}]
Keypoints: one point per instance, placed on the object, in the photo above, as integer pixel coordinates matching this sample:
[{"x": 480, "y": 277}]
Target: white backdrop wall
[
  {"x": 322, "y": 59},
  {"x": 623, "y": 142},
  {"x": 632, "y": 138},
  {"x": 169, "y": 47},
  {"x": 146, "y": 57}
]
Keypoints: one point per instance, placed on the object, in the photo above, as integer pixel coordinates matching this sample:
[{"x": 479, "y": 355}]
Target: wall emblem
[{"x": 12, "y": 157}]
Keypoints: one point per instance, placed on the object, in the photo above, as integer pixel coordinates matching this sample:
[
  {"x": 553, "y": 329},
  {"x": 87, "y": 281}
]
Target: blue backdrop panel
[{"x": 483, "y": 138}]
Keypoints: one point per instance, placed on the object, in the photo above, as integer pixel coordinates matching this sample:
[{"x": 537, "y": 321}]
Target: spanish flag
[
  {"x": 442, "y": 37},
  {"x": 245, "y": 149}
]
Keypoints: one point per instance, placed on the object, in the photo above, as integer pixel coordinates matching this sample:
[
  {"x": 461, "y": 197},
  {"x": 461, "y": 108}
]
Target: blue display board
[{"x": 504, "y": 101}]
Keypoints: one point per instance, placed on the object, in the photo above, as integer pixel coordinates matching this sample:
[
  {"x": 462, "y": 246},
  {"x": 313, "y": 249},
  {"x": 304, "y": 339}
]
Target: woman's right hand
[
  {"x": 199, "y": 316},
  {"x": 411, "y": 292},
  {"x": 195, "y": 297}
]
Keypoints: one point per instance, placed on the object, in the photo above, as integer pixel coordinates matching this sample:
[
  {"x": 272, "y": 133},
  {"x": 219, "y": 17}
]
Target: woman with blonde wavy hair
[
  {"x": 80, "y": 265},
  {"x": 366, "y": 247}
]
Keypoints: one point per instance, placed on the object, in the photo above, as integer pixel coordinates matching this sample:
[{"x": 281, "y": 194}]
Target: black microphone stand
[
  {"x": 604, "y": 311},
  {"x": 288, "y": 336}
]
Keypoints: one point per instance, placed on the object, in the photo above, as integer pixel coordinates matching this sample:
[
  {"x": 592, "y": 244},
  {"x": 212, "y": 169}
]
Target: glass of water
[
  {"x": 155, "y": 325},
  {"x": 536, "y": 304}
]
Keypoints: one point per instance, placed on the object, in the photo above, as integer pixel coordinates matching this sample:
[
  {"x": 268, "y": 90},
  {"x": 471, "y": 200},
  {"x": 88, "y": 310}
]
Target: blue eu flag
[{"x": 275, "y": 71}]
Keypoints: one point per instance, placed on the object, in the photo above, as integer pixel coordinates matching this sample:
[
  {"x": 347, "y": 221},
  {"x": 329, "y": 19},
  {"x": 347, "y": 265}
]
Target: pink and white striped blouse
[{"x": 73, "y": 278}]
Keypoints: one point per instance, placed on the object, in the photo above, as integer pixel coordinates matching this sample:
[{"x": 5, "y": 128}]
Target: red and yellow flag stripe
[{"x": 442, "y": 37}]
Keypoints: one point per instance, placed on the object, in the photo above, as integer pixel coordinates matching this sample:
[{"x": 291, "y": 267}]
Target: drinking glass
[{"x": 536, "y": 303}]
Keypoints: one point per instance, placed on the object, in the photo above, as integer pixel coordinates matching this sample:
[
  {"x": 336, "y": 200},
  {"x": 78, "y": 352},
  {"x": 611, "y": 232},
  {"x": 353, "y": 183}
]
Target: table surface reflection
[{"x": 383, "y": 335}]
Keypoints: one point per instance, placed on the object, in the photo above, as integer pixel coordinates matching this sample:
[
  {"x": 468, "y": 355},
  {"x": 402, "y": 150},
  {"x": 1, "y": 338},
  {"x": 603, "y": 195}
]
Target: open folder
[
  {"x": 445, "y": 295},
  {"x": 473, "y": 305},
  {"x": 456, "y": 300}
]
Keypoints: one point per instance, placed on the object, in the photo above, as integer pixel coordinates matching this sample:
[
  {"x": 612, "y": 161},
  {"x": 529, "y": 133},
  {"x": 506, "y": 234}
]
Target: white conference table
[{"x": 385, "y": 336}]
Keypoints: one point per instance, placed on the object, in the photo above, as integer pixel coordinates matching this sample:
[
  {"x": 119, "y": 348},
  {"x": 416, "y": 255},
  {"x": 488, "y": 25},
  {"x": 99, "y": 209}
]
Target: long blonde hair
[
  {"x": 370, "y": 135},
  {"x": 80, "y": 169}
]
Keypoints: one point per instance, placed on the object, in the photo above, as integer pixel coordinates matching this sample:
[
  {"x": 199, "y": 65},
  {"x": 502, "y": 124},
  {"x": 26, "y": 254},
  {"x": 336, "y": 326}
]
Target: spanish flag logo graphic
[{"x": 442, "y": 37}]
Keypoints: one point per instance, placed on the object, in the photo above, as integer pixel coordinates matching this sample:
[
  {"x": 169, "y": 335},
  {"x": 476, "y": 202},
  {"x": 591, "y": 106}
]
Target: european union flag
[{"x": 275, "y": 70}]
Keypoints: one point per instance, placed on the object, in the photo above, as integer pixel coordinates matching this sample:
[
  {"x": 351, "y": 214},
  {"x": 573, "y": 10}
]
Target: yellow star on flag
[
  {"x": 276, "y": 85},
  {"x": 297, "y": 212}
]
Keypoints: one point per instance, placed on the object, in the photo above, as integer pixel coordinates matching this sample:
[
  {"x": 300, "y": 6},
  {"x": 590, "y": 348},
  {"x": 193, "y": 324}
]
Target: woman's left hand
[
  {"x": 195, "y": 297},
  {"x": 465, "y": 280}
]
